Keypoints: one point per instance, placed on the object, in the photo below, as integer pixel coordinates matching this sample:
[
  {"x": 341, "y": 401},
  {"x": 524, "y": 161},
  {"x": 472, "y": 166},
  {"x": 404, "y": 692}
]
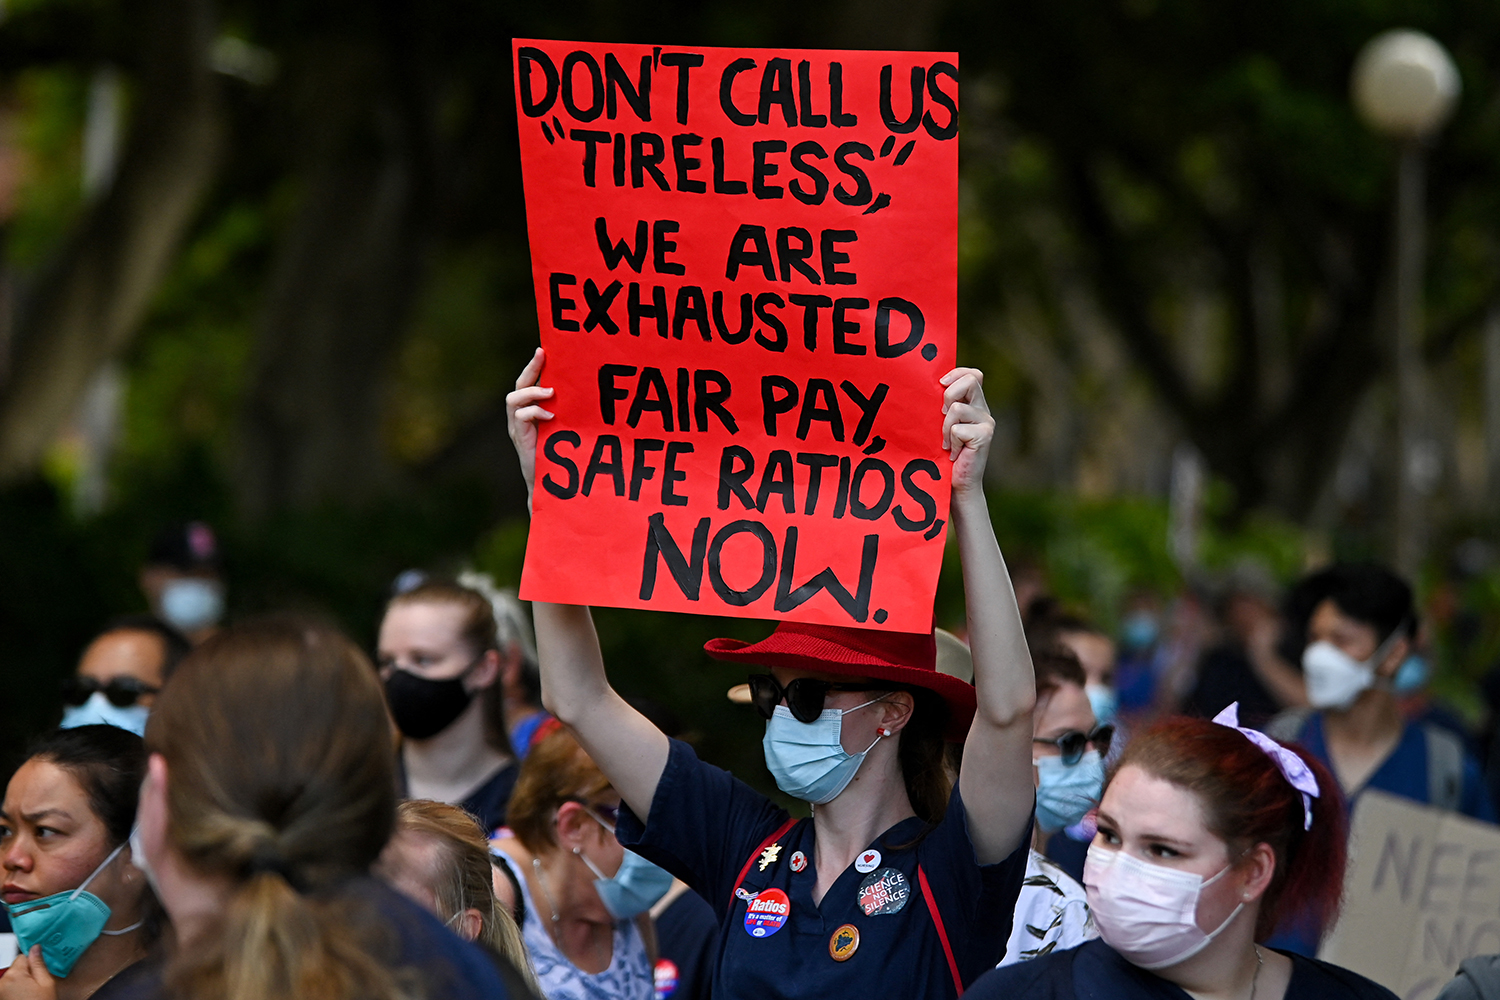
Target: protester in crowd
[
  {"x": 120, "y": 673},
  {"x": 1068, "y": 750},
  {"x": 440, "y": 859},
  {"x": 584, "y": 899},
  {"x": 182, "y": 579},
  {"x": 1208, "y": 835},
  {"x": 270, "y": 791},
  {"x": 1359, "y": 631},
  {"x": 1143, "y": 652},
  {"x": 1245, "y": 666},
  {"x": 80, "y": 909},
  {"x": 1478, "y": 979},
  {"x": 856, "y": 722},
  {"x": 520, "y": 679},
  {"x": 1095, "y": 652},
  {"x": 440, "y": 664}
]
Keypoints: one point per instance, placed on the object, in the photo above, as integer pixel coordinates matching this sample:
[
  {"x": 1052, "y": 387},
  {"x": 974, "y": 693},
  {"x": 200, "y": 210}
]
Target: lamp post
[{"x": 1404, "y": 86}]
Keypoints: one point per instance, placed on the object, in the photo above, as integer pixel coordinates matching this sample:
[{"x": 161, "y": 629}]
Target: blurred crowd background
[{"x": 282, "y": 291}]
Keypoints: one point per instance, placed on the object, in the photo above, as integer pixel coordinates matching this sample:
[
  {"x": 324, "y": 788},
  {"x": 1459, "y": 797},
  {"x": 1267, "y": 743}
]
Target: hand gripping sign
[{"x": 745, "y": 266}]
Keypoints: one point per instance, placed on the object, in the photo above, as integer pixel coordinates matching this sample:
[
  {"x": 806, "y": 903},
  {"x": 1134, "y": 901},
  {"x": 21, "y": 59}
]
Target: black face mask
[{"x": 423, "y": 708}]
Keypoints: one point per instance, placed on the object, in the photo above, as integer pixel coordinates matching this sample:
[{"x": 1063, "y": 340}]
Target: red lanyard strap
[
  {"x": 937, "y": 920},
  {"x": 780, "y": 832}
]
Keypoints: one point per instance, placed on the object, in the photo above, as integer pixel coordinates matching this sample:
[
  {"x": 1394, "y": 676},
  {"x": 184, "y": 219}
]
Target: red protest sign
[{"x": 745, "y": 266}]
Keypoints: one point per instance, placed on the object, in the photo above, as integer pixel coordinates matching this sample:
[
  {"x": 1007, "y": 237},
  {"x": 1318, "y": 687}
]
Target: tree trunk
[
  {"x": 342, "y": 288},
  {"x": 89, "y": 300}
]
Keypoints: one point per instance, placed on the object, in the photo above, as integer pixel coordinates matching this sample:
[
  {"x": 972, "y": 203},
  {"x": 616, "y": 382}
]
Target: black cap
[{"x": 188, "y": 545}]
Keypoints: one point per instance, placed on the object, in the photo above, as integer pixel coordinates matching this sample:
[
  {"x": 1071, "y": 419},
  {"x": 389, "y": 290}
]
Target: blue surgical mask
[
  {"x": 634, "y": 889},
  {"x": 98, "y": 711},
  {"x": 190, "y": 603},
  {"x": 64, "y": 923},
  {"x": 1065, "y": 793},
  {"x": 1411, "y": 675},
  {"x": 1139, "y": 630},
  {"x": 1104, "y": 702},
  {"x": 808, "y": 759}
]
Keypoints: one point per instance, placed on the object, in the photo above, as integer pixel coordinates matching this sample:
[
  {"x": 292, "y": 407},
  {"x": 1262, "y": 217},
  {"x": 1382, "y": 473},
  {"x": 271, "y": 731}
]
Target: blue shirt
[
  {"x": 1404, "y": 772},
  {"x": 706, "y": 827},
  {"x": 1095, "y": 971}
]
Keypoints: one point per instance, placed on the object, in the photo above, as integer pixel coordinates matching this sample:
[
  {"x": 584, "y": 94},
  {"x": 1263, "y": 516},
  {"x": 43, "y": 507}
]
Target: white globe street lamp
[{"x": 1405, "y": 86}]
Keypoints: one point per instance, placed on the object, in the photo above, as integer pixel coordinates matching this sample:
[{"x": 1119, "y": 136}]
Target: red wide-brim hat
[{"x": 901, "y": 657}]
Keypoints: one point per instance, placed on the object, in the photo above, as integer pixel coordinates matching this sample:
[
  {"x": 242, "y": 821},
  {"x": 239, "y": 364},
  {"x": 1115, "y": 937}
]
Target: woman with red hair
[{"x": 1209, "y": 836}]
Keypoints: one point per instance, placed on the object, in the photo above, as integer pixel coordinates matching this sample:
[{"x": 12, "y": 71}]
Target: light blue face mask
[
  {"x": 1139, "y": 631},
  {"x": 64, "y": 923},
  {"x": 634, "y": 889},
  {"x": 98, "y": 711},
  {"x": 1104, "y": 702},
  {"x": 190, "y": 603},
  {"x": 1411, "y": 675},
  {"x": 1064, "y": 794},
  {"x": 808, "y": 759}
]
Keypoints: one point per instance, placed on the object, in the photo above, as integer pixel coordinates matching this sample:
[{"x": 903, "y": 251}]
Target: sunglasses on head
[
  {"x": 609, "y": 815},
  {"x": 122, "y": 692},
  {"x": 804, "y": 696},
  {"x": 1073, "y": 743}
]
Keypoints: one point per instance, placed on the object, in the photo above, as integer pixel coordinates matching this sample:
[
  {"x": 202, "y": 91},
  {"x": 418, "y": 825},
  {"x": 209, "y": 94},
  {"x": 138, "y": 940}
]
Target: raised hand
[
  {"x": 523, "y": 409},
  {"x": 968, "y": 427}
]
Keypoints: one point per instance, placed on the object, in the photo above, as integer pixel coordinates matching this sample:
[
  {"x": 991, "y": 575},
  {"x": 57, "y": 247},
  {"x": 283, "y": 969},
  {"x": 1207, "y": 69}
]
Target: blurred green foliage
[{"x": 1247, "y": 107}]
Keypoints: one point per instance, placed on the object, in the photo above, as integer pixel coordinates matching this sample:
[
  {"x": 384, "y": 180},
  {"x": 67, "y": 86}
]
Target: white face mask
[
  {"x": 190, "y": 603},
  {"x": 1148, "y": 913},
  {"x": 1334, "y": 678}
]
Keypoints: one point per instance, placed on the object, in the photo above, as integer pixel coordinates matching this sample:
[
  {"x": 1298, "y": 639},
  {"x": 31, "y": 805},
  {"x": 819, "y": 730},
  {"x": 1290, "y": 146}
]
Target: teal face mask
[
  {"x": 807, "y": 759},
  {"x": 1064, "y": 794},
  {"x": 64, "y": 923},
  {"x": 633, "y": 889}
]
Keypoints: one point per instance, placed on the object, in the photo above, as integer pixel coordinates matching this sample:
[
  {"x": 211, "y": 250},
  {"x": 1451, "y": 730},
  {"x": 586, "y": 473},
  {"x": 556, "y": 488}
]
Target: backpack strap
[
  {"x": 1287, "y": 726},
  {"x": 1445, "y": 767},
  {"x": 777, "y": 835},
  {"x": 937, "y": 921}
]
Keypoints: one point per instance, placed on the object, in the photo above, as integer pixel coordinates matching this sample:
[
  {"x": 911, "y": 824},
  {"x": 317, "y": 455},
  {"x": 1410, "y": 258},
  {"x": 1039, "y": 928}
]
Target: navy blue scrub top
[
  {"x": 1404, "y": 772},
  {"x": 1095, "y": 971},
  {"x": 705, "y": 825}
]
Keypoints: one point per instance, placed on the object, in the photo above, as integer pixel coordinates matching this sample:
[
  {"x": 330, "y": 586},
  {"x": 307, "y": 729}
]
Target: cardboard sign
[
  {"x": 745, "y": 265},
  {"x": 1422, "y": 894}
]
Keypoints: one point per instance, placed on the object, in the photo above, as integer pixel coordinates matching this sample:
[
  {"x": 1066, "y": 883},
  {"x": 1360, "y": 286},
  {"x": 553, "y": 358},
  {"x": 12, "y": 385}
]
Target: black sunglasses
[
  {"x": 1073, "y": 743},
  {"x": 804, "y": 696},
  {"x": 122, "y": 692}
]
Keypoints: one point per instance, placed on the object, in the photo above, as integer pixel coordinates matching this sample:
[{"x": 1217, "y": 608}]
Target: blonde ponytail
[{"x": 281, "y": 782}]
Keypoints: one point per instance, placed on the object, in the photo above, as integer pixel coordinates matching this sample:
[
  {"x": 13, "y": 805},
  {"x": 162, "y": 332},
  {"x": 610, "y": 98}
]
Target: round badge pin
[
  {"x": 884, "y": 891},
  {"x": 844, "y": 943},
  {"x": 799, "y": 861},
  {"x": 867, "y": 862},
  {"x": 766, "y": 913},
  {"x": 665, "y": 977}
]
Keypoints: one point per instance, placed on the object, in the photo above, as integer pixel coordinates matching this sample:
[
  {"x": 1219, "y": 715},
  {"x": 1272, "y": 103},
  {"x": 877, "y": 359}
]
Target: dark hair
[
  {"x": 174, "y": 645},
  {"x": 281, "y": 777},
  {"x": 1247, "y": 801},
  {"x": 922, "y": 754},
  {"x": 109, "y": 764},
  {"x": 1055, "y": 665},
  {"x": 479, "y": 632},
  {"x": 1366, "y": 592}
]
